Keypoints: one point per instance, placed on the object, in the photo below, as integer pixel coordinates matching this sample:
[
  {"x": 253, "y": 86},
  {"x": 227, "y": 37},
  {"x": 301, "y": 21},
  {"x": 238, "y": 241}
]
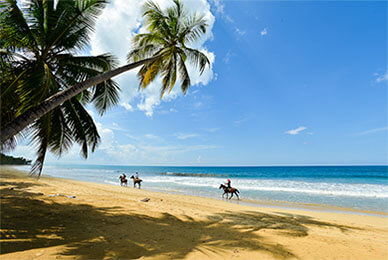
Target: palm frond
[
  {"x": 61, "y": 137},
  {"x": 149, "y": 72},
  {"x": 81, "y": 124},
  {"x": 40, "y": 137},
  {"x": 197, "y": 58},
  {"x": 184, "y": 74},
  {"x": 105, "y": 96},
  {"x": 15, "y": 33},
  {"x": 194, "y": 27}
]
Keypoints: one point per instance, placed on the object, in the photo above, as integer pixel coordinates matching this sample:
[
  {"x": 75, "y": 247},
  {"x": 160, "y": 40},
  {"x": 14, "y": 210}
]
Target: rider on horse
[
  {"x": 228, "y": 184},
  {"x": 123, "y": 179}
]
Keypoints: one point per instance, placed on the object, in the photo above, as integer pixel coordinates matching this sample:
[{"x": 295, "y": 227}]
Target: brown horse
[
  {"x": 136, "y": 181},
  {"x": 231, "y": 191}
]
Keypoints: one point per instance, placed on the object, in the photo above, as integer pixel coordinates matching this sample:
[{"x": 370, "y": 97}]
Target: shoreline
[
  {"x": 261, "y": 203},
  {"x": 105, "y": 221},
  {"x": 249, "y": 202}
]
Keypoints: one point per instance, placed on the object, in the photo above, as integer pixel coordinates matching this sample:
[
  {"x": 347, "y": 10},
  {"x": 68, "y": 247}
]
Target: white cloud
[
  {"x": 127, "y": 106},
  {"x": 381, "y": 77},
  {"x": 372, "y": 131},
  {"x": 219, "y": 6},
  {"x": 185, "y": 136},
  {"x": 115, "y": 29},
  {"x": 263, "y": 32},
  {"x": 296, "y": 131}
]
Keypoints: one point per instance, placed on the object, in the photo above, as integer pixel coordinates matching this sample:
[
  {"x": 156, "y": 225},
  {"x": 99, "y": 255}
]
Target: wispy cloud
[
  {"x": 115, "y": 126},
  {"x": 240, "y": 121},
  {"x": 212, "y": 130},
  {"x": 197, "y": 104},
  {"x": 372, "y": 131},
  {"x": 263, "y": 32},
  {"x": 296, "y": 131},
  {"x": 182, "y": 136},
  {"x": 219, "y": 7},
  {"x": 240, "y": 32},
  {"x": 228, "y": 56},
  {"x": 381, "y": 77},
  {"x": 151, "y": 136}
]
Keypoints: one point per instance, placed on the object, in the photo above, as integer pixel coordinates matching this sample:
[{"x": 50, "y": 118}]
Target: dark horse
[
  {"x": 136, "y": 181},
  {"x": 231, "y": 191},
  {"x": 123, "y": 181}
]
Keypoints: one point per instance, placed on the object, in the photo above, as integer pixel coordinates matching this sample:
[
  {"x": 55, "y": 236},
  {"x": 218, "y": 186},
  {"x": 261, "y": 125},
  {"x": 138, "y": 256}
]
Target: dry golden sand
[{"x": 111, "y": 222}]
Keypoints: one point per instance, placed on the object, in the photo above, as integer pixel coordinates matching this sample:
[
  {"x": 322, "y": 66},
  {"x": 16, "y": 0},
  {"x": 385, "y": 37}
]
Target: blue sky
[{"x": 291, "y": 83}]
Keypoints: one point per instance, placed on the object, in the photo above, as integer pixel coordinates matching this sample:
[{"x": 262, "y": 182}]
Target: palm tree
[
  {"x": 161, "y": 51},
  {"x": 169, "y": 34},
  {"x": 38, "y": 52}
]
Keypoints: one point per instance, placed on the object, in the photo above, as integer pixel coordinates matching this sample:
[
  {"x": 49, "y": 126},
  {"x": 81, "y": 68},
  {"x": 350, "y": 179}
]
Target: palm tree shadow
[{"x": 88, "y": 232}]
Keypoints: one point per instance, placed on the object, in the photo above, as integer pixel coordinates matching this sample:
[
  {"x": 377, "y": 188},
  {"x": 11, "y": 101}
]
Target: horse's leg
[
  {"x": 139, "y": 185},
  {"x": 237, "y": 195},
  {"x": 231, "y": 195},
  {"x": 223, "y": 194}
]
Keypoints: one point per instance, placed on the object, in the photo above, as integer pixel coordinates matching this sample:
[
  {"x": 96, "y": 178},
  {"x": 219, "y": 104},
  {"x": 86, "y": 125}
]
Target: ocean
[{"x": 355, "y": 187}]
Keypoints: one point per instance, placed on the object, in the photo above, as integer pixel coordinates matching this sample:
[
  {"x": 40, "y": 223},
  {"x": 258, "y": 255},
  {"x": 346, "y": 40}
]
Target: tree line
[{"x": 10, "y": 160}]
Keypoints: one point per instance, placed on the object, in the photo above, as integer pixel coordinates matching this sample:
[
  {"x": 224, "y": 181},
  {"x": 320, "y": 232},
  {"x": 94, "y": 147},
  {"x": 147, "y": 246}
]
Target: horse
[
  {"x": 231, "y": 191},
  {"x": 123, "y": 181},
  {"x": 136, "y": 181}
]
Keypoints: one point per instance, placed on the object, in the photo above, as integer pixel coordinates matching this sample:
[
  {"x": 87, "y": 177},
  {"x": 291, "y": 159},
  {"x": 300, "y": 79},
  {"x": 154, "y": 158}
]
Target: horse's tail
[{"x": 237, "y": 191}]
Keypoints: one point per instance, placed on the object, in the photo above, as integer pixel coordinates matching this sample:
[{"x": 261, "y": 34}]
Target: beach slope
[{"x": 65, "y": 219}]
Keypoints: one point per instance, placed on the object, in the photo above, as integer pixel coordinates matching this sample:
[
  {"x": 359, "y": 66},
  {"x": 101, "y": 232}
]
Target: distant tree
[{"x": 10, "y": 160}]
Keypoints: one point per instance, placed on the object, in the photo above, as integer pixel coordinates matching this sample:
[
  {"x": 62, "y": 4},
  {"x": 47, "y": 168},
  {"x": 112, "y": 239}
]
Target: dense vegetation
[{"x": 6, "y": 159}]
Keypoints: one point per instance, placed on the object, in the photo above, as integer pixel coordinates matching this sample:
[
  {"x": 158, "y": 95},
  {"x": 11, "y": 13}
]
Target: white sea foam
[{"x": 317, "y": 188}]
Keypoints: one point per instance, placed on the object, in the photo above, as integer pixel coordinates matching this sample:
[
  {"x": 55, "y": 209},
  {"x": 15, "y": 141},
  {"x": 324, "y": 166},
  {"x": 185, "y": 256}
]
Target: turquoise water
[{"x": 357, "y": 187}]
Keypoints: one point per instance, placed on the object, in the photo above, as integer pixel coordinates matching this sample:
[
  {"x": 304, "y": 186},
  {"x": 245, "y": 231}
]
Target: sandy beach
[{"x": 112, "y": 222}]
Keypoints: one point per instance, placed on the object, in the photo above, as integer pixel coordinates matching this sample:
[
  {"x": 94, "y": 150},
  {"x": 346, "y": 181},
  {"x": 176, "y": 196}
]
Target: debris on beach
[
  {"x": 62, "y": 195},
  {"x": 145, "y": 199}
]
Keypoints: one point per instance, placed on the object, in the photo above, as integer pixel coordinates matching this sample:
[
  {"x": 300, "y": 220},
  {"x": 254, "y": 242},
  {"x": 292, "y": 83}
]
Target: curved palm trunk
[{"x": 28, "y": 117}]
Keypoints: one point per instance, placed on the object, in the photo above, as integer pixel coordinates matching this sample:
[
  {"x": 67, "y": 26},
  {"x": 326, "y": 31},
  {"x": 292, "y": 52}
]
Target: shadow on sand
[{"x": 89, "y": 232}]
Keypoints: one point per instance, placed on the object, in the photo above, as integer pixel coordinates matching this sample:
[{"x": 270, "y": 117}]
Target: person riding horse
[
  {"x": 136, "y": 180},
  {"x": 123, "y": 180},
  {"x": 231, "y": 190},
  {"x": 228, "y": 184}
]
